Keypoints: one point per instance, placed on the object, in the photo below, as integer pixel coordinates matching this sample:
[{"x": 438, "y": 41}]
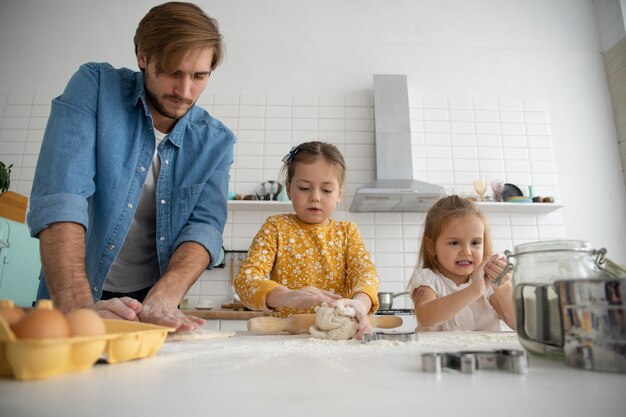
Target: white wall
[
  {"x": 610, "y": 22},
  {"x": 452, "y": 50}
]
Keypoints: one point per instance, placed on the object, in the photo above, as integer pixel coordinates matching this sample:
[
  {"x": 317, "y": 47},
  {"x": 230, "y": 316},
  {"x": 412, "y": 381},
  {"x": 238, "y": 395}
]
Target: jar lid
[{"x": 553, "y": 246}]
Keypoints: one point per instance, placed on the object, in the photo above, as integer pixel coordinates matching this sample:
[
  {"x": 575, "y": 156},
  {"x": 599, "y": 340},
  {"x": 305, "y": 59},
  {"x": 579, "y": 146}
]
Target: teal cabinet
[{"x": 20, "y": 264}]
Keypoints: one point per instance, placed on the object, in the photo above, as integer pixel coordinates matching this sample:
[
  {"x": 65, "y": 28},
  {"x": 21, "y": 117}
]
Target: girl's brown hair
[
  {"x": 171, "y": 30},
  {"x": 440, "y": 213},
  {"x": 309, "y": 152}
]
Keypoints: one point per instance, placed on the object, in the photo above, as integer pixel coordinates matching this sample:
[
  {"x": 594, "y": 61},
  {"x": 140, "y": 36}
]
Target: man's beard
[{"x": 160, "y": 108}]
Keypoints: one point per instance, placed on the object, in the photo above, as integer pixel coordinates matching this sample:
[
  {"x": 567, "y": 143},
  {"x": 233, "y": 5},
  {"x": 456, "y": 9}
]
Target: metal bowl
[{"x": 593, "y": 313}]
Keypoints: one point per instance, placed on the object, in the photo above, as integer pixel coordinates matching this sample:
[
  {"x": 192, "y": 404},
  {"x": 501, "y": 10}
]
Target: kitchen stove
[
  {"x": 407, "y": 314},
  {"x": 395, "y": 311}
]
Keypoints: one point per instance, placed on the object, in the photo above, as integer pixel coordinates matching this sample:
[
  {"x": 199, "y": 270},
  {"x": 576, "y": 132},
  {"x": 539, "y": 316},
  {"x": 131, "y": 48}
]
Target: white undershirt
[{"x": 136, "y": 265}]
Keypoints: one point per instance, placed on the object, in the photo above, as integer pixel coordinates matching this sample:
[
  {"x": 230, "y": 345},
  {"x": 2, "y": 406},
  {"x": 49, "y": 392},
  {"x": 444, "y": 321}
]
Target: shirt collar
[
  {"x": 310, "y": 225},
  {"x": 139, "y": 95}
]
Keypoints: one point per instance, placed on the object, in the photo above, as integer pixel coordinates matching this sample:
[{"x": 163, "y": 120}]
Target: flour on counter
[
  {"x": 469, "y": 340},
  {"x": 243, "y": 344},
  {"x": 247, "y": 352},
  {"x": 200, "y": 334}
]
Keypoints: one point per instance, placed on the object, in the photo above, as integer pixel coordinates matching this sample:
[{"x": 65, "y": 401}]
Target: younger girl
[
  {"x": 452, "y": 285},
  {"x": 298, "y": 261}
]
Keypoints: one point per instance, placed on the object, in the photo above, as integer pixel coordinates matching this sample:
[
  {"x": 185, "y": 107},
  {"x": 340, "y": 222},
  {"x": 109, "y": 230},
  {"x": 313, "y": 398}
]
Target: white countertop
[{"x": 250, "y": 375}]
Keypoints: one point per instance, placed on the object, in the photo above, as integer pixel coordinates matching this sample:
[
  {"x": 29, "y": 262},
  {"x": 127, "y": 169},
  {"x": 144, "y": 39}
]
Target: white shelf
[
  {"x": 493, "y": 207},
  {"x": 258, "y": 205},
  {"x": 487, "y": 207}
]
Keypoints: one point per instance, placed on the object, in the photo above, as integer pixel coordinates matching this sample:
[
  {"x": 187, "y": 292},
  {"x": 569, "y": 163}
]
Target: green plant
[{"x": 5, "y": 177}]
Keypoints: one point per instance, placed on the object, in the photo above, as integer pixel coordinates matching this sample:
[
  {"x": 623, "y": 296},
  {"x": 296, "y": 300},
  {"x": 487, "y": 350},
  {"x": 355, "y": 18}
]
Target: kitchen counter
[{"x": 252, "y": 375}]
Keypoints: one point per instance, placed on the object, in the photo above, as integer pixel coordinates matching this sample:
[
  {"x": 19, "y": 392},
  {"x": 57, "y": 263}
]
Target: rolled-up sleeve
[
  {"x": 64, "y": 177},
  {"x": 253, "y": 283}
]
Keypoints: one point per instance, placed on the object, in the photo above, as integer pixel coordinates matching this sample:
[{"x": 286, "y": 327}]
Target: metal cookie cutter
[
  {"x": 509, "y": 360},
  {"x": 397, "y": 336}
]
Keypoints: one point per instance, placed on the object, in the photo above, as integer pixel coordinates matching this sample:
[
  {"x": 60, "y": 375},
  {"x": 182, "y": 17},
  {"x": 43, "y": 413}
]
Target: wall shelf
[
  {"x": 493, "y": 207},
  {"x": 487, "y": 207},
  {"x": 259, "y": 205}
]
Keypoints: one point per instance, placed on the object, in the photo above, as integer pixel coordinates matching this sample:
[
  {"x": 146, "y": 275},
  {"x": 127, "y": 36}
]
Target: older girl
[{"x": 298, "y": 261}]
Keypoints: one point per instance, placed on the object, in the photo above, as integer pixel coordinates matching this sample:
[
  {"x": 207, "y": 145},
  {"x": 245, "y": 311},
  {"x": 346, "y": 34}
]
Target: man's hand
[
  {"x": 163, "y": 312},
  {"x": 124, "y": 308},
  {"x": 161, "y": 304}
]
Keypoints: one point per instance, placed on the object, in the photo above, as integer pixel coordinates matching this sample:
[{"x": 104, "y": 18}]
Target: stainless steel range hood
[{"x": 394, "y": 188}]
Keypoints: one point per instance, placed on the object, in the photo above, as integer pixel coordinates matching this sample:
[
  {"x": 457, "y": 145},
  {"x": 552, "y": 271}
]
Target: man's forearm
[
  {"x": 186, "y": 265},
  {"x": 62, "y": 249}
]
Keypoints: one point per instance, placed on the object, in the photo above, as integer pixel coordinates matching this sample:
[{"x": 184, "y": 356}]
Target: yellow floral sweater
[{"x": 290, "y": 253}]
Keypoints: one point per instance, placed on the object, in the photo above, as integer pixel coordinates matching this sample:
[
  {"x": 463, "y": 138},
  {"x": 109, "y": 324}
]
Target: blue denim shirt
[{"x": 94, "y": 159}]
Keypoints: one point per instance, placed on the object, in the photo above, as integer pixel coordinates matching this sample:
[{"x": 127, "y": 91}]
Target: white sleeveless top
[{"x": 479, "y": 315}]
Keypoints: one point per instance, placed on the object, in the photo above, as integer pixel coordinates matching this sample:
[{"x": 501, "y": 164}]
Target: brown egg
[
  {"x": 9, "y": 312},
  {"x": 43, "y": 322},
  {"x": 85, "y": 322}
]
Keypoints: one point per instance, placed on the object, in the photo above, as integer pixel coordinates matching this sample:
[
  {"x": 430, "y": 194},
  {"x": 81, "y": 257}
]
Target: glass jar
[{"x": 538, "y": 265}]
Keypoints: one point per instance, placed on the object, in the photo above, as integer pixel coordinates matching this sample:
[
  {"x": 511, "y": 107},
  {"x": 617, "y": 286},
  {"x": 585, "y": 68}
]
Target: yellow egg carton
[
  {"x": 133, "y": 340},
  {"x": 42, "y": 358}
]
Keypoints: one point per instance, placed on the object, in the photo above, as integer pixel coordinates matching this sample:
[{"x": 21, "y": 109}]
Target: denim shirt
[{"x": 94, "y": 159}]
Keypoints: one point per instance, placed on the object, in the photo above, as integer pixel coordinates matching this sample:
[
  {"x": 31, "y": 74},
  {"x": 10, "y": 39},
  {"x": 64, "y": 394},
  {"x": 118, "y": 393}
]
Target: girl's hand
[
  {"x": 300, "y": 298},
  {"x": 494, "y": 268},
  {"x": 361, "y": 310},
  {"x": 480, "y": 282}
]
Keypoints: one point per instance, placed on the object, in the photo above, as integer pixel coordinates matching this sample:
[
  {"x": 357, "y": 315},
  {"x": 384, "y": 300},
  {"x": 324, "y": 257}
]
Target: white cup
[{"x": 205, "y": 303}]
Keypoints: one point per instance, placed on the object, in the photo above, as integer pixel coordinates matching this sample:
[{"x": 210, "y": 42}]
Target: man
[{"x": 129, "y": 195}]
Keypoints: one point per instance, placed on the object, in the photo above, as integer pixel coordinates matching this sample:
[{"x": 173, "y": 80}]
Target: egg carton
[{"x": 27, "y": 359}]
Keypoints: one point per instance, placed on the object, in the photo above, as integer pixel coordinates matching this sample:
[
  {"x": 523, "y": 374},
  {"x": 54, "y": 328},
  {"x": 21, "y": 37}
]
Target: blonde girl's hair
[
  {"x": 444, "y": 210},
  {"x": 171, "y": 30},
  {"x": 309, "y": 152}
]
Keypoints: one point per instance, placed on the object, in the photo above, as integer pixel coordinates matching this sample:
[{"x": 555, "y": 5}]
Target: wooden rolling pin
[{"x": 300, "y": 323}]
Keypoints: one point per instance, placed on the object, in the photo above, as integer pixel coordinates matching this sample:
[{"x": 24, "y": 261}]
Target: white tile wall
[
  {"x": 455, "y": 140},
  {"x": 615, "y": 67}
]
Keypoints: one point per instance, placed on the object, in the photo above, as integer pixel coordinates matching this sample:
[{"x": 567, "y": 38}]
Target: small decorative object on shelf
[
  {"x": 12, "y": 205},
  {"x": 497, "y": 186},
  {"x": 480, "y": 186},
  {"x": 538, "y": 198},
  {"x": 5, "y": 177},
  {"x": 245, "y": 197},
  {"x": 269, "y": 190}
]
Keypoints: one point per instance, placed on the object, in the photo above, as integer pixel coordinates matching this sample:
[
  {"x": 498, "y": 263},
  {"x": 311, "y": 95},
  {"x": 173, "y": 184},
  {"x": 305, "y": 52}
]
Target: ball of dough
[{"x": 334, "y": 323}]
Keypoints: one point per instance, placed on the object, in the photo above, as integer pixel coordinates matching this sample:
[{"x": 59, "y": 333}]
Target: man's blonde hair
[{"x": 171, "y": 30}]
